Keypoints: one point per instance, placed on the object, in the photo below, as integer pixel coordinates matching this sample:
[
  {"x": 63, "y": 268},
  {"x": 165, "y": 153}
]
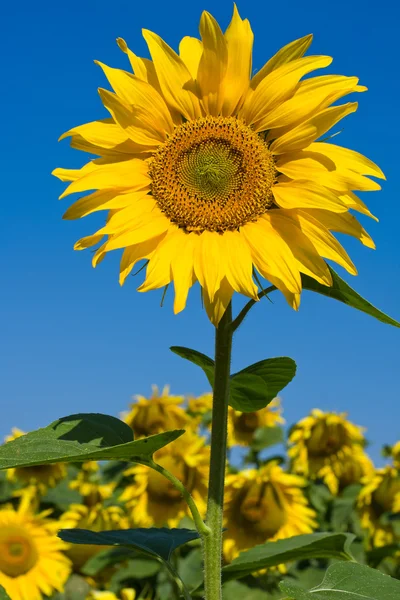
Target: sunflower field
[{"x": 315, "y": 476}]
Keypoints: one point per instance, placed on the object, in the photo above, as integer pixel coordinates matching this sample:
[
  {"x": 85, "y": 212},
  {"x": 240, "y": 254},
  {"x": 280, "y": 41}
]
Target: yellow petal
[
  {"x": 324, "y": 241},
  {"x": 74, "y": 174},
  {"x": 343, "y": 223},
  {"x": 136, "y": 122},
  {"x": 131, "y": 217},
  {"x": 305, "y": 194},
  {"x": 105, "y": 133},
  {"x": 304, "y": 134},
  {"x": 133, "y": 254},
  {"x": 239, "y": 40},
  {"x": 124, "y": 151},
  {"x": 182, "y": 270},
  {"x": 142, "y": 67},
  {"x": 279, "y": 86},
  {"x": 175, "y": 80},
  {"x": 354, "y": 202},
  {"x": 292, "y": 51},
  {"x": 312, "y": 94},
  {"x": 159, "y": 272},
  {"x": 348, "y": 159},
  {"x": 190, "y": 51},
  {"x": 308, "y": 260},
  {"x": 88, "y": 241},
  {"x": 271, "y": 255},
  {"x": 209, "y": 261},
  {"x": 139, "y": 94},
  {"x": 153, "y": 227},
  {"x": 216, "y": 308},
  {"x": 101, "y": 200},
  {"x": 213, "y": 63},
  {"x": 129, "y": 174},
  {"x": 238, "y": 264}
]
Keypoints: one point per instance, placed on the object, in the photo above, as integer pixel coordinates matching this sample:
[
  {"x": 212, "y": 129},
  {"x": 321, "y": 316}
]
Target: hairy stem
[{"x": 212, "y": 544}]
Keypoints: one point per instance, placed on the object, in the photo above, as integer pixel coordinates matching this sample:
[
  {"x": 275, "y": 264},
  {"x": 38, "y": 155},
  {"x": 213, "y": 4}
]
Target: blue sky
[{"x": 73, "y": 340}]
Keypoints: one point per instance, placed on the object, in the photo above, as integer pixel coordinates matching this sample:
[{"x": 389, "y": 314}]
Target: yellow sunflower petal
[
  {"x": 355, "y": 203},
  {"x": 105, "y": 133},
  {"x": 182, "y": 270},
  {"x": 343, "y": 223},
  {"x": 238, "y": 264},
  {"x": 142, "y": 67},
  {"x": 216, "y": 308},
  {"x": 213, "y": 63},
  {"x": 158, "y": 272},
  {"x": 101, "y": 200},
  {"x": 239, "y": 39},
  {"x": 306, "y": 133},
  {"x": 132, "y": 254},
  {"x": 88, "y": 241},
  {"x": 74, "y": 174},
  {"x": 209, "y": 261},
  {"x": 291, "y": 51},
  {"x": 190, "y": 51},
  {"x": 324, "y": 241},
  {"x": 174, "y": 77},
  {"x": 305, "y": 194},
  {"x": 348, "y": 159},
  {"x": 279, "y": 86},
  {"x": 129, "y": 174},
  {"x": 151, "y": 227}
]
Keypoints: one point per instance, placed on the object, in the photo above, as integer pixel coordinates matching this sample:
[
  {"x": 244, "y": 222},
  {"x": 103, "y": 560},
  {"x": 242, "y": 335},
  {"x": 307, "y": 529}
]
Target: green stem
[
  {"x": 212, "y": 544},
  {"x": 178, "y": 581},
  {"x": 238, "y": 320},
  {"x": 198, "y": 521}
]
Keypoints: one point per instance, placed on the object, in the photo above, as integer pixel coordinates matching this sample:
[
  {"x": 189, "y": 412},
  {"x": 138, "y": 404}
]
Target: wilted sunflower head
[
  {"x": 210, "y": 174},
  {"x": 158, "y": 413},
  {"x": 264, "y": 504},
  {"x": 329, "y": 447},
  {"x": 93, "y": 518},
  {"x": 379, "y": 499},
  {"x": 40, "y": 477},
  {"x": 200, "y": 405},
  {"x": 242, "y": 426},
  {"x": 152, "y": 499},
  {"x": 31, "y": 555}
]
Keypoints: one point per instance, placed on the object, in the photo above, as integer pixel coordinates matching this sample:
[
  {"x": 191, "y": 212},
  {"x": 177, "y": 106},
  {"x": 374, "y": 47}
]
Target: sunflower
[
  {"x": 200, "y": 405},
  {"x": 152, "y": 499},
  {"x": 242, "y": 426},
  {"x": 32, "y": 563},
  {"x": 329, "y": 447},
  {"x": 212, "y": 175},
  {"x": 395, "y": 454},
  {"x": 264, "y": 505},
  {"x": 87, "y": 483},
  {"x": 40, "y": 477},
  {"x": 125, "y": 594},
  {"x": 379, "y": 498},
  {"x": 94, "y": 518},
  {"x": 160, "y": 412}
]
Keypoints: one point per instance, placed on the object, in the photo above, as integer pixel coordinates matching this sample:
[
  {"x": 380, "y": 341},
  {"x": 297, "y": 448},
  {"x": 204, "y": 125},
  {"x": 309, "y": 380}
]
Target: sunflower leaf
[
  {"x": 341, "y": 291},
  {"x": 197, "y": 358},
  {"x": 375, "y": 556},
  {"x": 81, "y": 437},
  {"x": 264, "y": 437},
  {"x": 256, "y": 386},
  {"x": 348, "y": 581},
  {"x": 271, "y": 554},
  {"x": 3, "y": 594},
  {"x": 157, "y": 542}
]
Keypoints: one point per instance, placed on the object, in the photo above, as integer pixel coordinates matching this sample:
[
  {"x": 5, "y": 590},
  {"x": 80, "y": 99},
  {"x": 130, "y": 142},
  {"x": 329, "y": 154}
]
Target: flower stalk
[{"x": 212, "y": 544}]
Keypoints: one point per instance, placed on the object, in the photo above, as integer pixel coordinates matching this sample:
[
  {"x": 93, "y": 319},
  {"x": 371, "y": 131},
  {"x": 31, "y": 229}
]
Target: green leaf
[
  {"x": 106, "y": 558},
  {"x": 197, "y": 358},
  {"x": 237, "y": 591},
  {"x": 341, "y": 291},
  {"x": 348, "y": 581},
  {"x": 76, "y": 588},
  {"x": 62, "y": 496},
  {"x": 264, "y": 437},
  {"x": 81, "y": 437},
  {"x": 255, "y": 386},
  {"x": 191, "y": 569},
  {"x": 3, "y": 594},
  {"x": 375, "y": 556},
  {"x": 158, "y": 542},
  {"x": 270, "y": 554}
]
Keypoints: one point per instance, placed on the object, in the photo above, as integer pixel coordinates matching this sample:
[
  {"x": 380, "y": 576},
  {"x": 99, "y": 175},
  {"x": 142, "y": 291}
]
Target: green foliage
[
  {"x": 264, "y": 437},
  {"x": 271, "y": 554},
  {"x": 79, "y": 438},
  {"x": 3, "y": 594},
  {"x": 76, "y": 588},
  {"x": 341, "y": 291},
  {"x": 348, "y": 581},
  {"x": 156, "y": 542},
  {"x": 252, "y": 388}
]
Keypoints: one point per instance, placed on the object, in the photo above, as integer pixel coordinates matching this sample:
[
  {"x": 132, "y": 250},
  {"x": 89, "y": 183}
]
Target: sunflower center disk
[
  {"x": 213, "y": 174},
  {"x": 17, "y": 553}
]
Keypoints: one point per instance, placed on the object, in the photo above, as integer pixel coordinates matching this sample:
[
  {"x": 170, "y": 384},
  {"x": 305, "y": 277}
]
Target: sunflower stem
[
  {"x": 243, "y": 313},
  {"x": 212, "y": 544},
  {"x": 198, "y": 521},
  {"x": 183, "y": 591}
]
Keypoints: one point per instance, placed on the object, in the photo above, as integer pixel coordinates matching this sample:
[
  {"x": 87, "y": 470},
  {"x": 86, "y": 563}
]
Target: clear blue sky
[{"x": 71, "y": 339}]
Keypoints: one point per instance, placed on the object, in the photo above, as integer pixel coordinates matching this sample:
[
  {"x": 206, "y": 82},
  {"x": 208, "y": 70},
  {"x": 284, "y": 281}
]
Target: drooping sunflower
[
  {"x": 152, "y": 499},
  {"x": 379, "y": 498},
  {"x": 40, "y": 477},
  {"x": 242, "y": 426},
  {"x": 265, "y": 504},
  {"x": 200, "y": 405},
  {"x": 213, "y": 175},
  {"x": 158, "y": 413},
  {"x": 32, "y": 563},
  {"x": 88, "y": 484},
  {"x": 327, "y": 446},
  {"x": 95, "y": 518}
]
